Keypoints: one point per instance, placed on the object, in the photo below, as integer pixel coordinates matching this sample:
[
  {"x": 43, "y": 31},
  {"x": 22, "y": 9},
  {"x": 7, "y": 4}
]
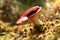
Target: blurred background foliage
[{"x": 30, "y": 3}]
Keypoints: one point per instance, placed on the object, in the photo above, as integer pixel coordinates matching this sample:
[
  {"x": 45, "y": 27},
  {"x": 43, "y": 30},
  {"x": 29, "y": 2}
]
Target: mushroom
[{"x": 32, "y": 14}]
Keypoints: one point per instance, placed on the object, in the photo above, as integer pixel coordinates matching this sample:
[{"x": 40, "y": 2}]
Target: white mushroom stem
[{"x": 37, "y": 21}]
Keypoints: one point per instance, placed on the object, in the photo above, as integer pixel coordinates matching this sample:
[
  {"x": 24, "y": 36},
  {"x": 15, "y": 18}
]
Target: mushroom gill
[{"x": 32, "y": 12}]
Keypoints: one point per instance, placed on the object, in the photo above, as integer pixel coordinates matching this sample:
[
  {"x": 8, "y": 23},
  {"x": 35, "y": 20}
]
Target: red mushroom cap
[{"x": 28, "y": 14}]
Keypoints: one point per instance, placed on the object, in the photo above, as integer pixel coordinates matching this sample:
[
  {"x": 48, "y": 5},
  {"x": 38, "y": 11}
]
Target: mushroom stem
[{"x": 36, "y": 21}]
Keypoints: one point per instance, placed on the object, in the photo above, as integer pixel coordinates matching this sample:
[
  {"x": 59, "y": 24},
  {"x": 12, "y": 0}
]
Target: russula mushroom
[{"x": 31, "y": 14}]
